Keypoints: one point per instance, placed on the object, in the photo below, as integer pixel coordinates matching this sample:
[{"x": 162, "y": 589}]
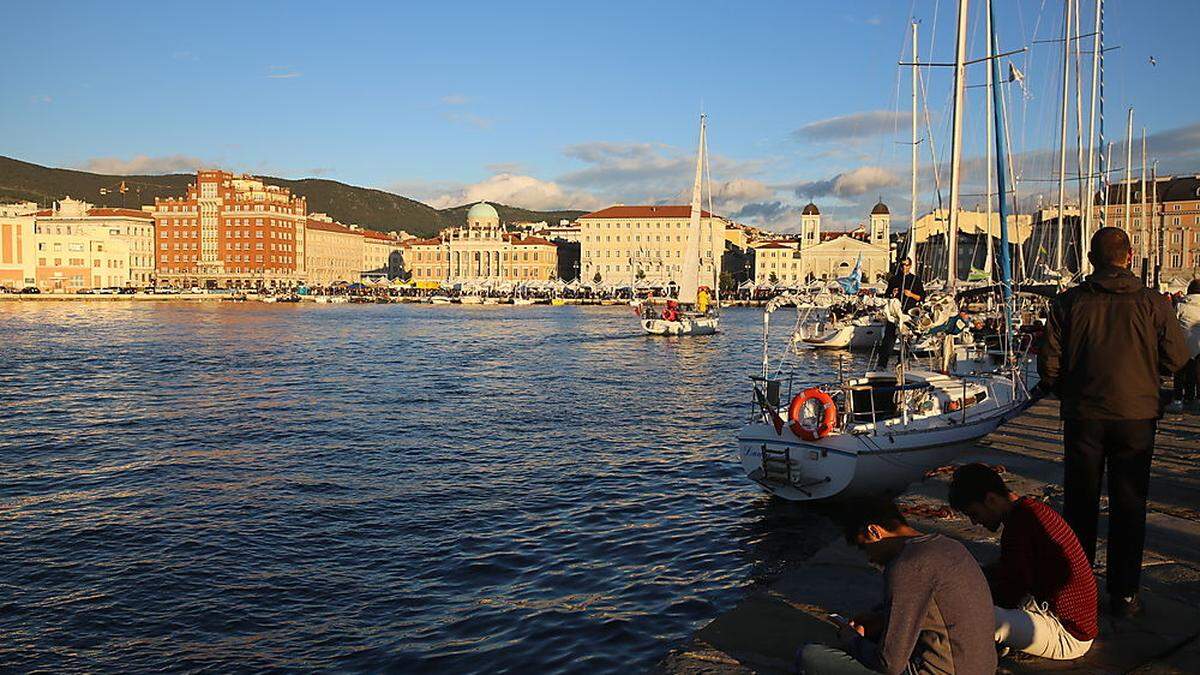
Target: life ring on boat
[{"x": 826, "y": 419}]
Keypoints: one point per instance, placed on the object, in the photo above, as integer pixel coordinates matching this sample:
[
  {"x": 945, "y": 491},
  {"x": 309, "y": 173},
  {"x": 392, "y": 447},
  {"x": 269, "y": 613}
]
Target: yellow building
[
  {"x": 333, "y": 252},
  {"x": 483, "y": 250},
  {"x": 383, "y": 254},
  {"x": 134, "y": 228},
  {"x": 622, "y": 244},
  {"x": 976, "y": 222},
  {"x": 73, "y": 256},
  {"x": 17, "y": 245}
]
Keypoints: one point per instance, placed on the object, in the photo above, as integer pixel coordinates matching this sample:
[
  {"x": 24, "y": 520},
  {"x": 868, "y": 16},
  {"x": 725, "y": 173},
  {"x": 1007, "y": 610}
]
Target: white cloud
[
  {"x": 504, "y": 188},
  {"x": 143, "y": 164},
  {"x": 854, "y": 126},
  {"x": 850, "y": 183}
]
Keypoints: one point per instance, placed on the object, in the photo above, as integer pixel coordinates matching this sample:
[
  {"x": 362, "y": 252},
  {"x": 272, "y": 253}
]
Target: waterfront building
[
  {"x": 482, "y": 250},
  {"x": 73, "y": 256},
  {"x": 17, "y": 245},
  {"x": 333, "y": 252},
  {"x": 383, "y": 254},
  {"x": 1020, "y": 226},
  {"x": 625, "y": 244},
  {"x": 231, "y": 231},
  {"x": 133, "y": 228},
  {"x": 825, "y": 255},
  {"x": 1167, "y": 229}
]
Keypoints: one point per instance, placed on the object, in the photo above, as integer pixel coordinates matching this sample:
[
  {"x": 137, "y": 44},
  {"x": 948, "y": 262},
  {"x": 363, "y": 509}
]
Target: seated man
[
  {"x": 1043, "y": 585},
  {"x": 934, "y": 616}
]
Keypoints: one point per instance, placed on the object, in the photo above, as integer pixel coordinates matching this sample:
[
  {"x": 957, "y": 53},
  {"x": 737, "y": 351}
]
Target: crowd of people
[{"x": 943, "y": 613}]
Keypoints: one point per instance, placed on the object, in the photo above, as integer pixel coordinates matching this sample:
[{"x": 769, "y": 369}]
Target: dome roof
[
  {"x": 810, "y": 209},
  {"x": 482, "y": 211},
  {"x": 880, "y": 209}
]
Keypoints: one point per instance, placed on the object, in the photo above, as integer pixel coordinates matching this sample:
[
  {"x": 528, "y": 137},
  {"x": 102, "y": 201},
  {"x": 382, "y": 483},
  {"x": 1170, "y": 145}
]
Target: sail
[
  {"x": 852, "y": 283},
  {"x": 689, "y": 282}
]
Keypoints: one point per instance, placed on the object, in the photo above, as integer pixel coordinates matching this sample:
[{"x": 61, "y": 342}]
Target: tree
[
  {"x": 728, "y": 283},
  {"x": 773, "y": 279},
  {"x": 596, "y": 279}
]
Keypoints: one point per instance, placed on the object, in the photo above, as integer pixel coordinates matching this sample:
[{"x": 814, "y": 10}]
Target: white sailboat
[
  {"x": 879, "y": 432},
  {"x": 698, "y": 312}
]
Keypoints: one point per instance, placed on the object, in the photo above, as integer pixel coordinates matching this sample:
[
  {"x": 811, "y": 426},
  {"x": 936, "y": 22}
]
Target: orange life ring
[{"x": 828, "y": 415}]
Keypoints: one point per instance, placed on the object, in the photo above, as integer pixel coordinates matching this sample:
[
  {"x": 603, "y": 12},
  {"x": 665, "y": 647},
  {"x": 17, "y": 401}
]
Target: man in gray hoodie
[
  {"x": 936, "y": 616},
  {"x": 1107, "y": 343}
]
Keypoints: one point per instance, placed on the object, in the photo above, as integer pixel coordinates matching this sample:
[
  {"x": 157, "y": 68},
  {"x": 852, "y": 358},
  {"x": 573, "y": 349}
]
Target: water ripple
[{"x": 372, "y": 488}]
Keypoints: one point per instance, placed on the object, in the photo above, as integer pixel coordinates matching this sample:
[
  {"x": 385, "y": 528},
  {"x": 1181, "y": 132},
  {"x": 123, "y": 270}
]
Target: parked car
[
  {"x": 31, "y": 290},
  {"x": 6, "y": 289},
  {"x": 167, "y": 290},
  {"x": 127, "y": 290},
  {"x": 85, "y": 291},
  {"x": 106, "y": 291}
]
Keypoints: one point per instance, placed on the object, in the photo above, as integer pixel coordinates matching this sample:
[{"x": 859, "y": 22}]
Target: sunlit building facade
[
  {"x": 482, "y": 250},
  {"x": 17, "y": 245},
  {"x": 625, "y": 244},
  {"x": 231, "y": 231}
]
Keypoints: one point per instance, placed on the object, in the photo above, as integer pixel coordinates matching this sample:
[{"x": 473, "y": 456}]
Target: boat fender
[{"x": 827, "y": 418}]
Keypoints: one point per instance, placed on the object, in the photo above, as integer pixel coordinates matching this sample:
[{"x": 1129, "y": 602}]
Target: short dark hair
[
  {"x": 1110, "y": 246},
  {"x": 1194, "y": 287},
  {"x": 871, "y": 511},
  {"x": 971, "y": 483}
]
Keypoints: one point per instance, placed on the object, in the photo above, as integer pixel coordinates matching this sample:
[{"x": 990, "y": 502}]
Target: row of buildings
[
  {"x": 226, "y": 231},
  {"x": 235, "y": 231}
]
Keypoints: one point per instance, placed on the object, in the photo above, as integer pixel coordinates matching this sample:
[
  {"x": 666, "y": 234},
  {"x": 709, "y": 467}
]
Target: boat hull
[
  {"x": 704, "y": 325},
  {"x": 871, "y": 461},
  {"x": 851, "y": 337}
]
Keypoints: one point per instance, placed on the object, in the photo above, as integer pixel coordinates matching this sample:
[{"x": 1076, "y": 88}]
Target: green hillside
[{"x": 368, "y": 207}]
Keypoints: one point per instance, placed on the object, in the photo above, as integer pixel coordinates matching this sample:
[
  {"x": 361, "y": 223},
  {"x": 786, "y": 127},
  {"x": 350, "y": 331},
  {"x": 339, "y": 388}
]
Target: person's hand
[
  {"x": 869, "y": 623},
  {"x": 848, "y": 633}
]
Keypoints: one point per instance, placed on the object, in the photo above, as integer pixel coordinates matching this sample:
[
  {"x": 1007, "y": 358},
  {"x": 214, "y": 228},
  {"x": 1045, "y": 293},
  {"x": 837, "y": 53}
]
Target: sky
[{"x": 577, "y": 105}]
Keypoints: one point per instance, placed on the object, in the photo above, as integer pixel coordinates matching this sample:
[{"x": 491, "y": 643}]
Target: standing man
[
  {"x": 1107, "y": 342},
  {"x": 908, "y": 289},
  {"x": 1187, "y": 379}
]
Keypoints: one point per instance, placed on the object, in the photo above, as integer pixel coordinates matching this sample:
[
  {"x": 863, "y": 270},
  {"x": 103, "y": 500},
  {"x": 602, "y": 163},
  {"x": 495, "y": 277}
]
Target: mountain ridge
[{"x": 370, "y": 208}]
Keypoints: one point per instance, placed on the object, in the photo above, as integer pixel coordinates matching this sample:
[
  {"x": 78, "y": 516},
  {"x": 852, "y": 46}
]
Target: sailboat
[
  {"x": 877, "y": 433},
  {"x": 696, "y": 310}
]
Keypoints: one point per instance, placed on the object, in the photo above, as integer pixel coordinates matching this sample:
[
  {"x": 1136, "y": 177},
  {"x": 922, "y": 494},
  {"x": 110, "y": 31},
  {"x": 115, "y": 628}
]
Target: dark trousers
[
  {"x": 886, "y": 346},
  {"x": 1126, "y": 446},
  {"x": 1187, "y": 381}
]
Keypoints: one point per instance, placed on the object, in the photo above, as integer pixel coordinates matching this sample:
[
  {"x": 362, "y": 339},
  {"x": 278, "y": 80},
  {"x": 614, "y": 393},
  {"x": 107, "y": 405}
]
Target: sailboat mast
[
  {"x": 1062, "y": 142},
  {"x": 991, "y": 84},
  {"x": 1145, "y": 219},
  {"x": 911, "y": 256},
  {"x": 1001, "y": 150},
  {"x": 1128, "y": 164},
  {"x": 1085, "y": 222},
  {"x": 690, "y": 274},
  {"x": 960, "y": 74}
]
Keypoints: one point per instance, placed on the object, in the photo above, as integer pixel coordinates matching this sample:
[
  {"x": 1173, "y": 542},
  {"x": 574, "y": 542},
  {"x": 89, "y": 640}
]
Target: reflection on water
[{"x": 380, "y": 487}]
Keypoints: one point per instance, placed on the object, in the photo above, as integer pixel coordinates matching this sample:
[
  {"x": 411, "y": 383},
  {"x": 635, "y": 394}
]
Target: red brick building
[{"x": 230, "y": 231}]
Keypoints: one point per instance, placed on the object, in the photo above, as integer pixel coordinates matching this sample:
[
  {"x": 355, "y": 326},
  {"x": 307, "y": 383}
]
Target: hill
[{"x": 371, "y": 208}]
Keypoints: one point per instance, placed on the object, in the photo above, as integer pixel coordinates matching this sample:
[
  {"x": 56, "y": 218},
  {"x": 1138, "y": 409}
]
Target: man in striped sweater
[{"x": 1043, "y": 585}]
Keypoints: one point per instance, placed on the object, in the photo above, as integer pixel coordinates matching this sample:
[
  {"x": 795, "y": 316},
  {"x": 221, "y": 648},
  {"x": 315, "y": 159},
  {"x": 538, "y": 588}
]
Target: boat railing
[{"x": 872, "y": 416}]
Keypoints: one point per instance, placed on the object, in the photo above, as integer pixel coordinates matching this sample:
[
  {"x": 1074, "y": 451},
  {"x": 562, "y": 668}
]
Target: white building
[
  {"x": 622, "y": 244},
  {"x": 825, "y": 256}
]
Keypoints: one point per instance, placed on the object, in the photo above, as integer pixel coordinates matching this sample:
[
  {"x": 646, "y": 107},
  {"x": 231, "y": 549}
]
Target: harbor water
[{"x": 397, "y": 488}]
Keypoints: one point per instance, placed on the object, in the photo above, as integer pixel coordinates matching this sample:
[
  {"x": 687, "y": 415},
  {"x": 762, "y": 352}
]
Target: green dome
[{"x": 482, "y": 211}]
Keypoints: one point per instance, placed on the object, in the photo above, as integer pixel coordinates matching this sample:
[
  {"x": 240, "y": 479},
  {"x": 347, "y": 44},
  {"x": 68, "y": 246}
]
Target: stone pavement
[{"x": 762, "y": 633}]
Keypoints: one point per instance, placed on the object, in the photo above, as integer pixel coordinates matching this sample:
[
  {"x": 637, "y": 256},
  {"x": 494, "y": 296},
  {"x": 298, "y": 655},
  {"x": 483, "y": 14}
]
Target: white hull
[
  {"x": 847, "y": 337},
  {"x": 703, "y": 325},
  {"x": 524, "y": 301},
  {"x": 871, "y": 459},
  {"x": 471, "y": 300}
]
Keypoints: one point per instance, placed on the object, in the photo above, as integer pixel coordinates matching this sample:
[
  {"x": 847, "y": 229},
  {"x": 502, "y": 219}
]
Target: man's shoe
[{"x": 1126, "y": 607}]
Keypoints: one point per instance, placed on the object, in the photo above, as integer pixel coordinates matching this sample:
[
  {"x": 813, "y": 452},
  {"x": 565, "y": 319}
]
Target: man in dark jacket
[
  {"x": 908, "y": 289},
  {"x": 1107, "y": 341}
]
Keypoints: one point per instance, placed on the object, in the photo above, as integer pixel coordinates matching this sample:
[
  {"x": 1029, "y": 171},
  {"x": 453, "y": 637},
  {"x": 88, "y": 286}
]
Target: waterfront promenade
[{"x": 762, "y": 633}]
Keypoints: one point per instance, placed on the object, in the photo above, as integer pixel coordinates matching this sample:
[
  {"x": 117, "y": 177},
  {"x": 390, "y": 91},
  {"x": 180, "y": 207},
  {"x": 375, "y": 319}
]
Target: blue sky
[{"x": 553, "y": 104}]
